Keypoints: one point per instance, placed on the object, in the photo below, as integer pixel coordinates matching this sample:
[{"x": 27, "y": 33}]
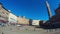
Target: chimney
[
  {"x": 49, "y": 11},
  {"x": 23, "y": 16},
  {"x": 0, "y": 4}
]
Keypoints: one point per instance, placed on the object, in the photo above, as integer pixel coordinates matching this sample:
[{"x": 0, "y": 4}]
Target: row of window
[
  {"x": 5, "y": 13},
  {"x": 2, "y": 12},
  {"x": 3, "y": 17}
]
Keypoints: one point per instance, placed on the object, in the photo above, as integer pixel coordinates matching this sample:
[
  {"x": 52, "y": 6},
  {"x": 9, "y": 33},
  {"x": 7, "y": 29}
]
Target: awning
[
  {"x": 3, "y": 21},
  {"x": 12, "y": 22}
]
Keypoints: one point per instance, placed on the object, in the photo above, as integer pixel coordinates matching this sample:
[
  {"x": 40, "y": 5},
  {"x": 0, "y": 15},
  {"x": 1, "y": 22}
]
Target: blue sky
[{"x": 34, "y": 9}]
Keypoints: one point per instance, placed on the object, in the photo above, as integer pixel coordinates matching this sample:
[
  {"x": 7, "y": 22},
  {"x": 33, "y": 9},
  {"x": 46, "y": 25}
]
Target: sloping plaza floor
[{"x": 26, "y": 30}]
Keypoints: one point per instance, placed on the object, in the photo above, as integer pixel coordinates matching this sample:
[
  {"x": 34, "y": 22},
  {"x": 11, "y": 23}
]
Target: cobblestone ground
[{"x": 26, "y": 30}]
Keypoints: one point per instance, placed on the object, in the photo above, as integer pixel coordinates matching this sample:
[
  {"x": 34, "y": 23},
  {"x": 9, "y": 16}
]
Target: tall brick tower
[{"x": 49, "y": 11}]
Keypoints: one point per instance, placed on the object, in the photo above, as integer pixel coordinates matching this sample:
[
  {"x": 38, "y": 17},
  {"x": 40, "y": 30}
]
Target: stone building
[
  {"x": 4, "y": 13},
  {"x": 18, "y": 19},
  {"x": 30, "y": 22},
  {"x": 24, "y": 21},
  {"x": 35, "y": 22},
  {"x": 12, "y": 18}
]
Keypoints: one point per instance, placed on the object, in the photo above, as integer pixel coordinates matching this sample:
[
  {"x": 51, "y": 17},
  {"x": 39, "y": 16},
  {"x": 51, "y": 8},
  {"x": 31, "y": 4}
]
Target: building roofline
[
  {"x": 5, "y": 9},
  {"x": 3, "y": 6},
  {"x": 0, "y": 3}
]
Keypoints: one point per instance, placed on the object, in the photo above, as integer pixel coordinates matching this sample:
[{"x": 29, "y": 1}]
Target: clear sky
[{"x": 34, "y": 9}]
